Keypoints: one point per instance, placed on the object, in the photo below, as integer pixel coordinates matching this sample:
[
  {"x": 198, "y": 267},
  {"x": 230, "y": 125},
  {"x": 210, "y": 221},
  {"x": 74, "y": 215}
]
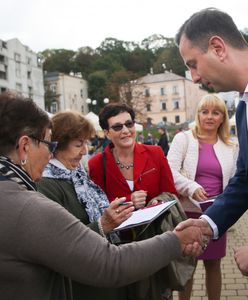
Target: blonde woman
[{"x": 202, "y": 161}]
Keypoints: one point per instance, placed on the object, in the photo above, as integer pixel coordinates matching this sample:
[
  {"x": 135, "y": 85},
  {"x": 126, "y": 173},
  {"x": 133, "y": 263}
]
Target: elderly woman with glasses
[
  {"x": 42, "y": 245},
  {"x": 65, "y": 181},
  {"x": 127, "y": 169}
]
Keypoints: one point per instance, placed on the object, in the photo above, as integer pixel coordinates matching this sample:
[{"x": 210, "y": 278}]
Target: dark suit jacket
[
  {"x": 233, "y": 202},
  {"x": 163, "y": 143},
  {"x": 151, "y": 173}
]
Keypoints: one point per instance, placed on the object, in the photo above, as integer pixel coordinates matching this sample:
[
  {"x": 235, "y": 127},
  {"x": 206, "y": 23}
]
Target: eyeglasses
[
  {"x": 51, "y": 145},
  {"x": 119, "y": 126}
]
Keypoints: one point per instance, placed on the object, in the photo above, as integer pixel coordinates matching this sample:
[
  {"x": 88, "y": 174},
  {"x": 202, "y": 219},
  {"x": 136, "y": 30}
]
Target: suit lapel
[{"x": 241, "y": 121}]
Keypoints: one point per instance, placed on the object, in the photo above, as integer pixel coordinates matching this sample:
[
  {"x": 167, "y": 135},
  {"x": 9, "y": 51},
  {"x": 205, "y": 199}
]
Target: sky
[{"x": 71, "y": 24}]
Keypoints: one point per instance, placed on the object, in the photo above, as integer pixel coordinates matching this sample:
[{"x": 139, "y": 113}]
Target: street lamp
[
  {"x": 89, "y": 103},
  {"x": 92, "y": 103},
  {"x": 106, "y": 100}
]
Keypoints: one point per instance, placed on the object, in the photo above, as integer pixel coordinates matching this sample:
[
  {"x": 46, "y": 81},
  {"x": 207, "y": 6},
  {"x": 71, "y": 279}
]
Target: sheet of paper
[{"x": 146, "y": 215}]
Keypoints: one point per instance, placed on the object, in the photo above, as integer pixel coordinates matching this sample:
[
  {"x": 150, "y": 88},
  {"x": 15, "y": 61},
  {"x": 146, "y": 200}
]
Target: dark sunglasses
[
  {"x": 51, "y": 145},
  {"x": 119, "y": 126}
]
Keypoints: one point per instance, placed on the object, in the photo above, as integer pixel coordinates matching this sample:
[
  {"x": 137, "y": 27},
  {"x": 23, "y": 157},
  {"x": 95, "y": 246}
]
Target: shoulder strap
[{"x": 183, "y": 171}]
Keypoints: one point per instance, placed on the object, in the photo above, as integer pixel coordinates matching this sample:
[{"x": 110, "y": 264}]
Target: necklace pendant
[{"x": 122, "y": 166}]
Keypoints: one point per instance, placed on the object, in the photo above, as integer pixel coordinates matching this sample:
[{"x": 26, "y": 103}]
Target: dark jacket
[
  {"x": 163, "y": 143},
  {"x": 233, "y": 202}
]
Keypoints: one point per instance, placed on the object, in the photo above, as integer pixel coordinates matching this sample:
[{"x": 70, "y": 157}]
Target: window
[
  {"x": 148, "y": 107},
  {"x": 29, "y": 74},
  {"x": 162, "y": 91},
  {"x": 18, "y": 69},
  {"x": 53, "y": 87},
  {"x": 30, "y": 92},
  {"x": 3, "y": 89},
  {"x": 163, "y": 106},
  {"x": 147, "y": 92},
  {"x": 3, "y": 73},
  {"x": 29, "y": 60},
  {"x": 19, "y": 88},
  {"x": 165, "y": 119},
  {"x": 54, "y": 107},
  {"x": 17, "y": 57},
  {"x": 175, "y": 89},
  {"x": 177, "y": 119},
  {"x": 176, "y": 104},
  {"x": 82, "y": 93}
]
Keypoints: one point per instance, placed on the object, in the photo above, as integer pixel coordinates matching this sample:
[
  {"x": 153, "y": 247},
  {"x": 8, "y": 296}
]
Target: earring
[{"x": 23, "y": 162}]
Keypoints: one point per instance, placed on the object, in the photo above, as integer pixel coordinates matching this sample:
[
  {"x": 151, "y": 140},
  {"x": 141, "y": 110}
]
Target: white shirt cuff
[{"x": 212, "y": 225}]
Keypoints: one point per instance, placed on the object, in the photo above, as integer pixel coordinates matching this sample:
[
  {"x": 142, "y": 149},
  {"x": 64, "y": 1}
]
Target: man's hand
[
  {"x": 201, "y": 223},
  {"x": 191, "y": 239},
  {"x": 241, "y": 258}
]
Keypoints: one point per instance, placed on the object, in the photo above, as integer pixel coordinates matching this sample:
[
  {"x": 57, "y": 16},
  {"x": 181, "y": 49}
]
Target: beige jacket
[{"x": 183, "y": 159}]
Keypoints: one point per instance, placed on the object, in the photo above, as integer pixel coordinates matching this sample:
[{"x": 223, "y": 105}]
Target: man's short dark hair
[{"x": 202, "y": 25}]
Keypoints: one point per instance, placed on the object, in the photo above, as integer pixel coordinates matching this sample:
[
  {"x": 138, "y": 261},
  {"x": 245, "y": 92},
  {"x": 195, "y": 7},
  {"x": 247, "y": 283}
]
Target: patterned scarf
[
  {"x": 13, "y": 172},
  {"x": 88, "y": 193}
]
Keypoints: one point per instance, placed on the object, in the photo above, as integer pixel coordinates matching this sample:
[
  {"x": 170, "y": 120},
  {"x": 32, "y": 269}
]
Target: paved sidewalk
[{"x": 234, "y": 284}]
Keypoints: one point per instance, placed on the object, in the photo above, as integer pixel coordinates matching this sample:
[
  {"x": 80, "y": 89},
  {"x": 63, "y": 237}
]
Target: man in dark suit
[
  {"x": 217, "y": 56},
  {"x": 163, "y": 140}
]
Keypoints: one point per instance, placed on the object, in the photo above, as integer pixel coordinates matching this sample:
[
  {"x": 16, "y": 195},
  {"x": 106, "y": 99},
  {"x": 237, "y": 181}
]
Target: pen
[
  {"x": 104, "y": 206},
  {"x": 126, "y": 203}
]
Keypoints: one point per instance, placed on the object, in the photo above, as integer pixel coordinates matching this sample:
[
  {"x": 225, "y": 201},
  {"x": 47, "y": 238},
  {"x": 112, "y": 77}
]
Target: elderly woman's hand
[
  {"x": 115, "y": 214},
  {"x": 200, "y": 194},
  {"x": 139, "y": 199}
]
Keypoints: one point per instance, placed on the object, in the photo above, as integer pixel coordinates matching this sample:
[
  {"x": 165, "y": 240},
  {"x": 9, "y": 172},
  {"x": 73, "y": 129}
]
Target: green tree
[
  {"x": 83, "y": 61},
  {"x": 118, "y": 78},
  {"x": 60, "y": 60},
  {"x": 169, "y": 59},
  {"x": 97, "y": 84}
]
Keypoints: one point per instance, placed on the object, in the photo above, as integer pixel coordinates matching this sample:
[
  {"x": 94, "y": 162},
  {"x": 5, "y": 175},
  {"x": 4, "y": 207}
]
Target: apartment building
[
  {"x": 65, "y": 92},
  {"x": 21, "y": 71},
  {"x": 165, "y": 97}
]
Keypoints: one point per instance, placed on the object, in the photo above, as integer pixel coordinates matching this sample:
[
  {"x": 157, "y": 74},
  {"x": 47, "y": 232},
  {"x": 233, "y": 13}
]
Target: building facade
[
  {"x": 165, "y": 97},
  {"x": 21, "y": 71},
  {"x": 65, "y": 92}
]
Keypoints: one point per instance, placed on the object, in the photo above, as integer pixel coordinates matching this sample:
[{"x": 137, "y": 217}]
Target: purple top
[{"x": 208, "y": 172}]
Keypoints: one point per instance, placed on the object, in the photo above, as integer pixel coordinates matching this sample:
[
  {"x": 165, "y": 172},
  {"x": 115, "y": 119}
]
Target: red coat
[{"x": 151, "y": 173}]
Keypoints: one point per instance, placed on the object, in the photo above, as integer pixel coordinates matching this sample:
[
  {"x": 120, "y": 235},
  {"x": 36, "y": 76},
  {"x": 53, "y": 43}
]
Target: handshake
[{"x": 194, "y": 235}]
